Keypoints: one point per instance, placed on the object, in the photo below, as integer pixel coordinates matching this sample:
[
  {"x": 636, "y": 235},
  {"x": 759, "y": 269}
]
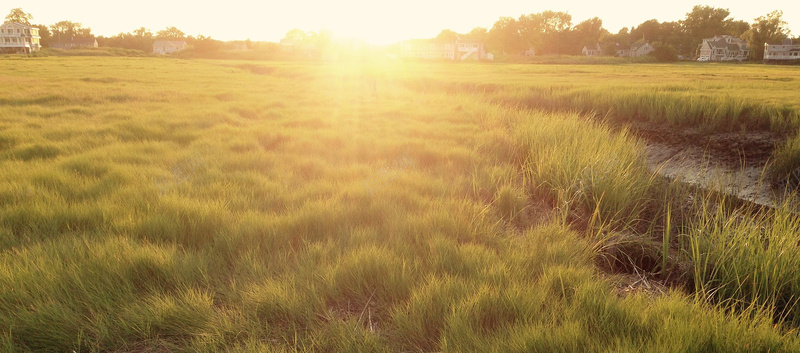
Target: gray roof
[{"x": 721, "y": 44}]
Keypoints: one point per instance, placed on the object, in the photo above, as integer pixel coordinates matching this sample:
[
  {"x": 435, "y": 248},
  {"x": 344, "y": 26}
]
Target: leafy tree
[
  {"x": 673, "y": 34},
  {"x": 737, "y": 28},
  {"x": 171, "y": 33},
  {"x": 140, "y": 39},
  {"x": 67, "y": 30},
  {"x": 297, "y": 34},
  {"x": 589, "y": 32},
  {"x": 44, "y": 35},
  {"x": 770, "y": 28},
  {"x": 586, "y": 33},
  {"x": 664, "y": 52},
  {"x": 447, "y": 35},
  {"x": 203, "y": 44},
  {"x": 505, "y": 37},
  {"x": 19, "y": 16},
  {"x": 648, "y": 31},
  {"x": 610, "y": 43},
  {"x": 546, "y": 31},
  {"x": 705, "y": 22},
  {"x": 478, "y": 33},
  {"x": 142, "y": 32}
]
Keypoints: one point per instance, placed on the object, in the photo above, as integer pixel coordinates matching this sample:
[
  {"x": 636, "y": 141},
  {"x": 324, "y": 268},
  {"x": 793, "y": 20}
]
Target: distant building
[
  {"x": 428, "y": 49},
  {"x": 723, "y": 48},
  {"x": 635, "y": 50},
  {"x": 168, "y": 46},
  {"x": 460, "y": 49},
  {"x": 781, "y": 52},
  {"x": 75, "y": 43},
  {"x": 592, "y": 50},
  {"x": 530, "y": 52},
  {"x": 19, "y": 38}
]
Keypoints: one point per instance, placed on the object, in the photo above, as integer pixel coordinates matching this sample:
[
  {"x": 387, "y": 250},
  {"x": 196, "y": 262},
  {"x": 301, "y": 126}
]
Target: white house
[
  {"x": 460, "y": 49},
  {"x": 19, "y": 38},
  {"x": 781, "y": 52},
  {"x": 168, "y": 46},
  {"x": 723, "y": 48},
  {"x": 592, "y": 50},
  {"x": 636, "y": 50},
  {"x": 530, "y": 52}
]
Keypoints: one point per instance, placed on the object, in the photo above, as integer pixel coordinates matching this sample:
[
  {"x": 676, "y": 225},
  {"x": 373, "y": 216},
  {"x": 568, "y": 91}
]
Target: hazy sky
[{"x": 377, "y": 21}]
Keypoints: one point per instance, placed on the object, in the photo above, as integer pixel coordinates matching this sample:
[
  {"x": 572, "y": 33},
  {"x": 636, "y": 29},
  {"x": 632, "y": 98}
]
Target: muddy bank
[{"x": 732, "y": 163}]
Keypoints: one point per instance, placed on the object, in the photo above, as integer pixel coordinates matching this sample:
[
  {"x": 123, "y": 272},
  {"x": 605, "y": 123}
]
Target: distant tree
[
  {"x": 140, "y": 39},
  {"x": 478, "y": 33},
  {"x": 673, "y": 34},
  {"x": 736, "y": 28},
  {"x": 19, "y": 16},
  {"x": 664, "y": 52},
  {"x": 142, "y": 32},
  {"x": 67, "y": 30},
  {"x": 609, "y": 43},
  {"x": 586, "y": 33},
  {"x": 44, "y": 35},
  {"x": 505, "y": 37},
  {"x": 447, "y": 35},
  {"x": 203, "y": 44},
  {"x": 297, "y": 34},
  {"x": 770, "y": 28},
  {"x": 546, "y": 31},
  {"x": 171, "y": 33},
  {"x": 648, "y": 31},
  {"x": 706, "y": 22}
]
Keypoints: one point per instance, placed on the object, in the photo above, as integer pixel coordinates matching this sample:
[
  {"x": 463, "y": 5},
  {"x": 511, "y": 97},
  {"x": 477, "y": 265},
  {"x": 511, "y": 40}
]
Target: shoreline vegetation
[{"x": 510, "y": 215}]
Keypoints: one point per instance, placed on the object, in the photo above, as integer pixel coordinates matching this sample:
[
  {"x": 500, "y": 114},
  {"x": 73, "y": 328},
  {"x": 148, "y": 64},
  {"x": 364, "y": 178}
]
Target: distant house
[
  {"x": 781, "y": 52},
  {"x": 460, "y": 49},
  {"x": 168, "y": 46},
  {"x": 530, "y": 52},
  {"x": 75, "y": 43},
  {"x": 428, "y": 49},
  {"x": 635, "y": 50},
  {"x": 18, "y": 38},
  {"x": 723, "y": 48},
  {"x": 592, "y": 50}
]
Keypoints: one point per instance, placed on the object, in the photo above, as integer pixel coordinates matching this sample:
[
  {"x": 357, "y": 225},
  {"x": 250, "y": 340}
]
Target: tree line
[
  {"x": 552, "y": 33},
  {"x": 139, "y": 39},
  {"x": 547, "y": 32}
]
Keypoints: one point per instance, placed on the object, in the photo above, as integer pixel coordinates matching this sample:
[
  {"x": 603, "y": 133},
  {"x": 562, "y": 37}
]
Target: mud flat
[{"x": 732, "y": 163}]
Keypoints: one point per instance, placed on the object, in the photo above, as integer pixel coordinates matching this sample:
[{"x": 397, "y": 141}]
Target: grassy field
[{"x": 151, "y": 204}]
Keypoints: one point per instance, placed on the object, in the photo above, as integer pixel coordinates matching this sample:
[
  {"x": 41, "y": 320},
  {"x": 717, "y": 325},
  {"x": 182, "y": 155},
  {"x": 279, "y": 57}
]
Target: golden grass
[{"x": 281, "y": 241}]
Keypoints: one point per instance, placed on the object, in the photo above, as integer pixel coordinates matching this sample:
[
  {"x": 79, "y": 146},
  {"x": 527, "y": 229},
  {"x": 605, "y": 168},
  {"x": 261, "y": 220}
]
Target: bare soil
[{"x": 731, "y": 163}]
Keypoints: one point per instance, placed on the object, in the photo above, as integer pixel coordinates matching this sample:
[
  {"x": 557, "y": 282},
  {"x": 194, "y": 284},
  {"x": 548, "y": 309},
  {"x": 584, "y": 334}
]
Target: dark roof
[{"x": 723, "y": 44}]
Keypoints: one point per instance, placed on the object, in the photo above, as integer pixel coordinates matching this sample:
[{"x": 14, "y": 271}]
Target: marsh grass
[{"x": 277, "y": 246}]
